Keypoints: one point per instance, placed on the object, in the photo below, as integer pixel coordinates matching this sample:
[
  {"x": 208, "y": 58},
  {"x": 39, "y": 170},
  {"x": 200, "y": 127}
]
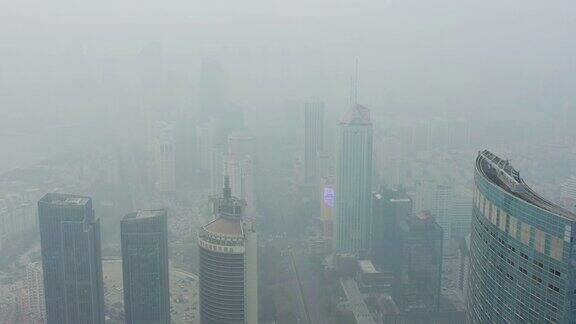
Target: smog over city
[{"x": 287, "y": 162}]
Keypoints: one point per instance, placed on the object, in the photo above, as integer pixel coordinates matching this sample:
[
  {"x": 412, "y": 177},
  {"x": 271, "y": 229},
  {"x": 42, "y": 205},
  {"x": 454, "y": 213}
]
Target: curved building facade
[
  {"x": 521, "y": 260},
  {"x": 228, "y": 265}
]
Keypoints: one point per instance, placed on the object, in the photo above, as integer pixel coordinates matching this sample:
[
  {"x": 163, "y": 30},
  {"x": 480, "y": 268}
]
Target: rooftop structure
[
  {"x": 502, "y": 173},
  {"x": 357, "y": 115}
]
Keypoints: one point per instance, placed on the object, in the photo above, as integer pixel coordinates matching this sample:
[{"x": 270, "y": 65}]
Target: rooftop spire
[{"x": 354, "y": 85}]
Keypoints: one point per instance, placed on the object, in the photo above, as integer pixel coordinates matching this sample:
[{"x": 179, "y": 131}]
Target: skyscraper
[
  {"x": 144, "y": 239},
  {"x": 239, "y": 167},
  {"x": 521, "y": 261},
  {"x": 228, "y": 271},
  {"x": 389, "y": 208},
  {"x": 163, "y": 147},
  {"x": 71, "y": 259},
  {"x": 421, "y": 264},
  {"x": 35, "y": 291},
  {"x": 313, "y": 138},
  {"x": 353, "y": 181}
]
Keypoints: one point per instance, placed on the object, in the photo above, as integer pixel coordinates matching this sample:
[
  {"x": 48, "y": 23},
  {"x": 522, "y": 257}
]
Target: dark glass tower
[
  {"x": 228, "y": 265},
  {"x": 421, "y": 264},
  {"x": 71, "y": 258},
  {"x": 521, "y": 251},
  {"x": 144, "y": 237}
]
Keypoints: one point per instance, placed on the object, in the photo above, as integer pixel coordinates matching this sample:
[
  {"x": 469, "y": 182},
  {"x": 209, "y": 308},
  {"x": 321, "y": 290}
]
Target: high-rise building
[
  {"x": 437, "y": 198},
  {"x": 144, "y": 241},
  {"x": 521, "y": 261},
  {"x": 71, "y": 259},
  {"x": 353, "y": 181},
  {"x": 228, "y": 270},
  {"x": 36, "y": 307},
  {"x": 460, "y": 214},
  {"x": 568, "y": 194},
  {"x": 313, "y": 138},
  {"x": 421, "y": 265},
  {"x": 212, "y": 94},
  {"x": 217, "y": 168},
  {"x": 239, "y": 167},
  {"x": 163, "y": 148},
  {"x": 389, "y": 208},
  {"x": 240, "y": 171},
  {"x": 463, "y": 265}
]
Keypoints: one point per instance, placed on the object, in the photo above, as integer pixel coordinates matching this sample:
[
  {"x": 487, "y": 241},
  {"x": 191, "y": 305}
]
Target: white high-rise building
[
  {"x": 241, "y": 173},
  {"x": 35, "y": 292},
  {"x": 164, "y": 157},
  {"x": 568, "y": 194},
  {"x": 438, "y": 200},
  {"x": 353, "y": 181}
]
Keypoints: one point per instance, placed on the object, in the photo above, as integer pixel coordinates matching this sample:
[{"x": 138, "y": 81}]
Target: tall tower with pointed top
[
  {"x": 353, "y": 181},
  {"x": 228, "y": 269}
]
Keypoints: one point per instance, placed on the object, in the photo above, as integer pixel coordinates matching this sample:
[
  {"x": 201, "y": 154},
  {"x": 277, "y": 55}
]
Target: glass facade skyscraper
[
  {"x": 71, "y": 259},
  {"x": 521, "y": 251},
  {"x": 144, "y": 239}
]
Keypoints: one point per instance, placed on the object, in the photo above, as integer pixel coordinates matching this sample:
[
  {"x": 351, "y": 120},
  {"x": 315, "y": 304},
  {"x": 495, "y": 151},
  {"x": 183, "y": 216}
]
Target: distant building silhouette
[
  {"x": 313, "y": 138},
  {"x": 71, "y": 260},
  {"x": 353, "y": 181},
  {"x": 144, "y": 240}
]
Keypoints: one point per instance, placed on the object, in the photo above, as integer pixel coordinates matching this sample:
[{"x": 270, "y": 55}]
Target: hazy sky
[{"x": 433, "y": 56}]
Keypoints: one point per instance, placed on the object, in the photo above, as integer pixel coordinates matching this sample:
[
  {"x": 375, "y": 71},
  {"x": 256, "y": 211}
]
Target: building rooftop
[
  {"x": 64, "y": 199},
  {"x": 501, "y": 173},
  {"x": 357, "y": 115},
  {"x": 366, "y": 266},
  {"x": 225, "y": 226},
  {"x": 139, "y": 214}
]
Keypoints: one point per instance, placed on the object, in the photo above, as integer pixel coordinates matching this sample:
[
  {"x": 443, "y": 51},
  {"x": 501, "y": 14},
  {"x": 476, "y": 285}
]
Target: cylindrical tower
[
  {"x": 228, "y": 265},
  {"x": 521, "y": 260}
]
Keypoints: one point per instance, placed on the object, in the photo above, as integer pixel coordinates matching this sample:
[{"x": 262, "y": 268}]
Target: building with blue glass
[
  {"x": 144, "y": 242},
  {"x": 521, "y": 261},
  {"x": 71, "y": 259}
]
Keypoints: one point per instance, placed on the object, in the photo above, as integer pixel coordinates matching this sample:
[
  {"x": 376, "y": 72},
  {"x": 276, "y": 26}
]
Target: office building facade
[
  {"x": 521, "y": 261},
  {"x": 144, "y": 241},
  {"x": 71, "y": 259}
]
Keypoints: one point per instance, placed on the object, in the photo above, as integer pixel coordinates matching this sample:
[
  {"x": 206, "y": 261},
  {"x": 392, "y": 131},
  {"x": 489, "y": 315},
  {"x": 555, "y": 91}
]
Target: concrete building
[
  {"x": 313, "y": 138},
  {"x": 163, "y": 148},
  {"x": 438, "y": 199},
  {"x": 521, "y": 265},
  {"x": 353, "y": 181},
  {"x": 144, "y": 241},
  {"x": 228, "y": 254},
  {"x": 34, "y": 290},
  {"x": 71, "y": 259},
  {"x": 241, "y": 173}
]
